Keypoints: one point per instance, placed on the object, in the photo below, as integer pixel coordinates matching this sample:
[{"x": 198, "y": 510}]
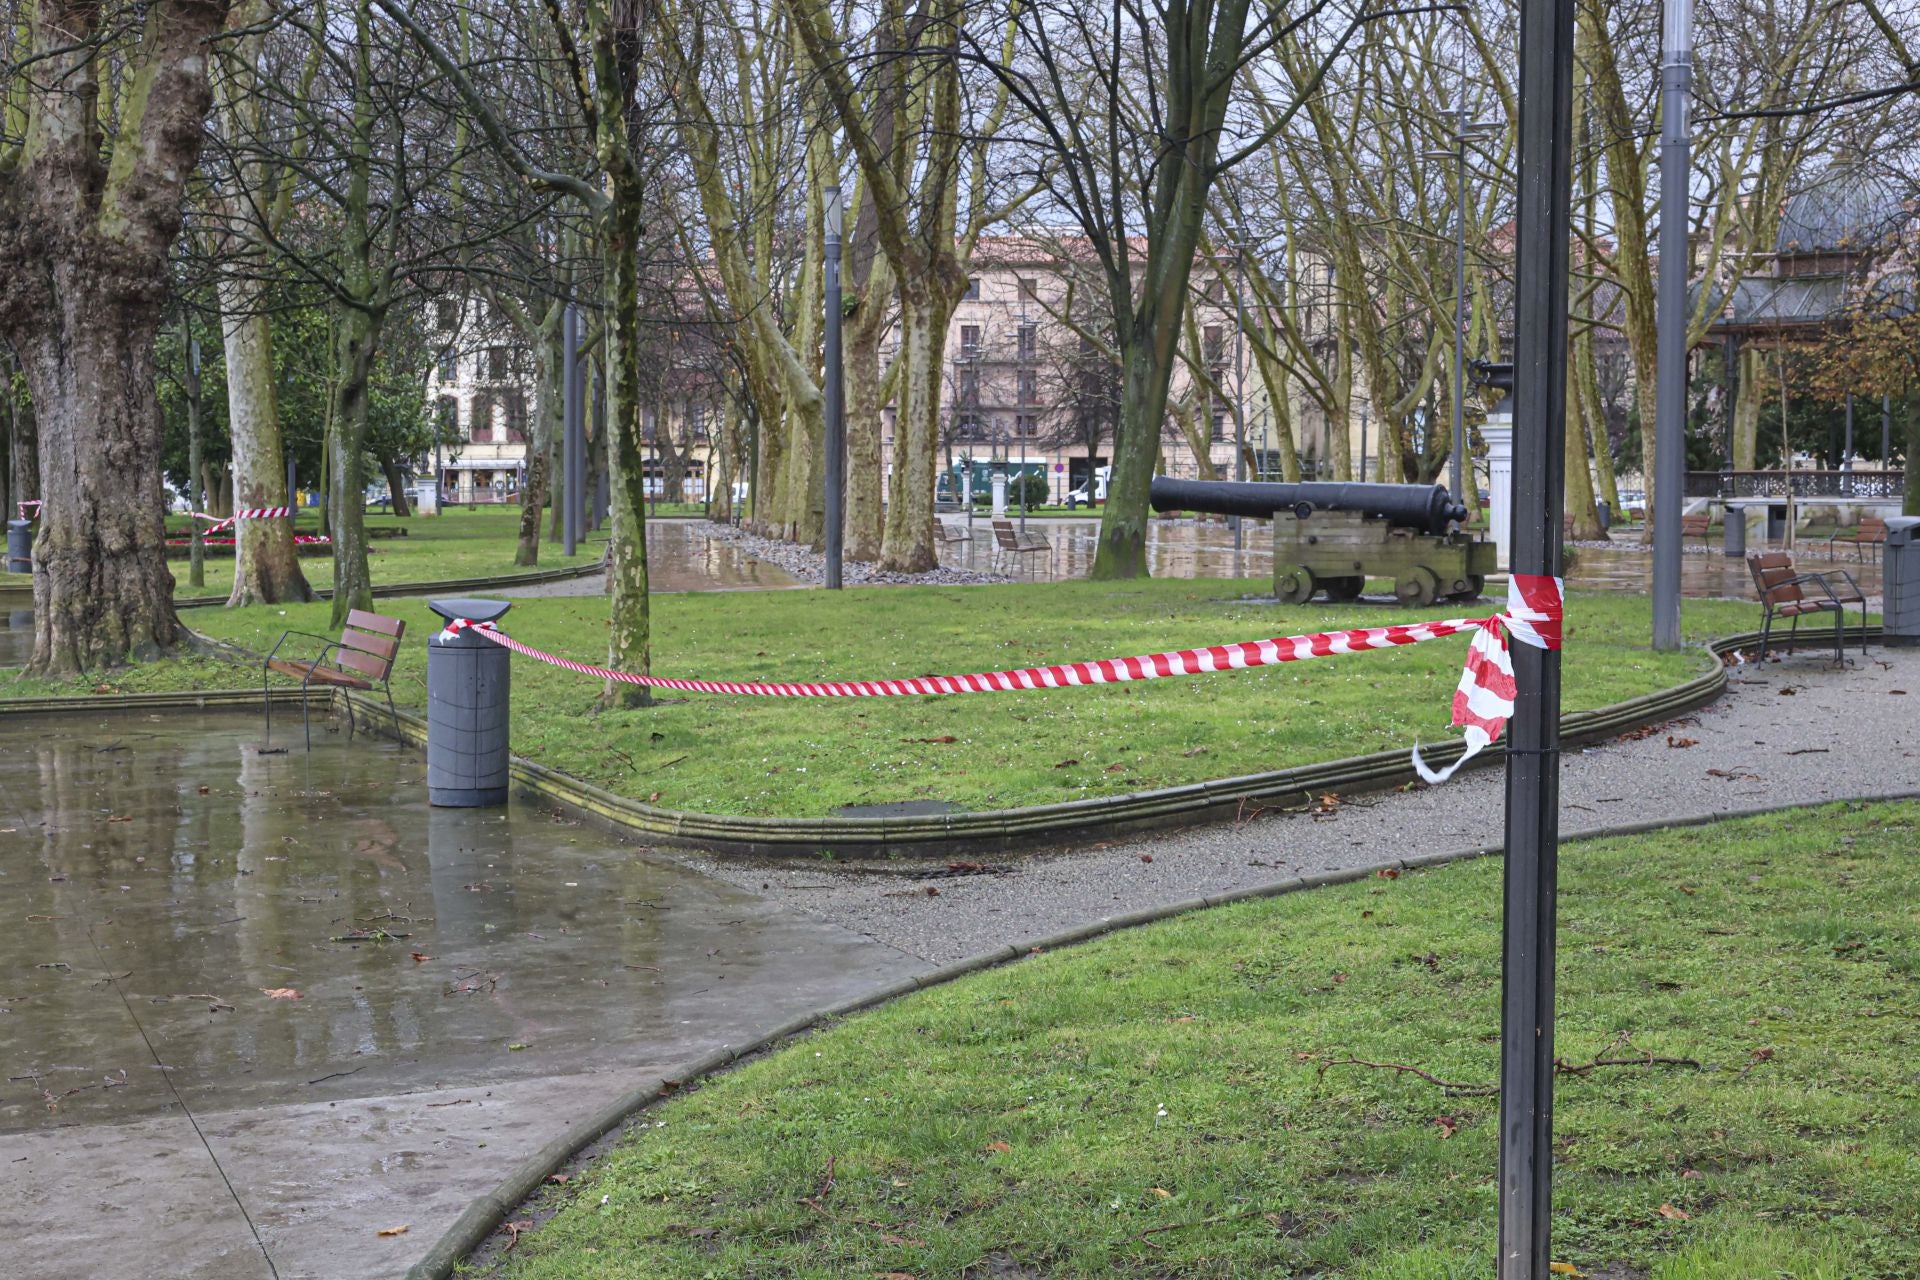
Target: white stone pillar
[
  {"x": 1497, "y": 431},
  {"x": 999, "y": 494}
]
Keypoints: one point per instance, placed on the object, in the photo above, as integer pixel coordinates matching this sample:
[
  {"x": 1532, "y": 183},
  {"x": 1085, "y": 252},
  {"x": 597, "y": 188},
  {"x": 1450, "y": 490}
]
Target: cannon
[{"x": 1332, "y": 537}]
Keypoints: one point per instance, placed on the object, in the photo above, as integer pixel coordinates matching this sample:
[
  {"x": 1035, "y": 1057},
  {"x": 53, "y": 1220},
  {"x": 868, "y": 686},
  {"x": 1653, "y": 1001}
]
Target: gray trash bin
[
  {"x": 469, "y": 687},
  {"x": 1900, "y": 575},
  {"x": 1733, "y": 533},
  {"x": 19, "y": 546}
]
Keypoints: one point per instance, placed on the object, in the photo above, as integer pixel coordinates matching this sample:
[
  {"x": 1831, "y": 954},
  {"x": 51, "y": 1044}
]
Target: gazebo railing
[{"x": 1864, "y": 485}]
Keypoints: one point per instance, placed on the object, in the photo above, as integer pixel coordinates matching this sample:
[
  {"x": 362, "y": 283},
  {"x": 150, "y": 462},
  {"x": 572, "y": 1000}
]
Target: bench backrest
[
  {"x": 1872, "y": 529},
  {"x": 1695, "y": 525},
  {"x": 1773, "y": 577},
  {"x": 1004, "y": 535},
  {"x": 370, "y": 643}
]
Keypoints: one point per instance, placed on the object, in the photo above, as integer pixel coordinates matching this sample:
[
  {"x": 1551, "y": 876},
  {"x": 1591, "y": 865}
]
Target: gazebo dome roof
[{"x": 1845, "y": 210}]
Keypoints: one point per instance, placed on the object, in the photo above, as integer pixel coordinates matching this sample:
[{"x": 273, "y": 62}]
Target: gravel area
[
  {"x": 810, "y": 566},
  {"x": 1787, "y": 731}
]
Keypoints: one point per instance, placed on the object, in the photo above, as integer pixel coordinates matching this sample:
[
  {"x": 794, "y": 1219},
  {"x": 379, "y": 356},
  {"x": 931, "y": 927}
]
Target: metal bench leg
[
  {"x": 266, "y": 705},
  {"x": 1793, "y": 635},
  {"x": 388, "y": 688},
  {"x": 1766, "y": 632}
]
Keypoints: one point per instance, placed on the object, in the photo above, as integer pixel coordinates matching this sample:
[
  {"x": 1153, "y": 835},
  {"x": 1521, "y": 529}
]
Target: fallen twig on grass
[
  {"x": 1561, "y": 1067},
  {"x": 337, "y": 1075}
]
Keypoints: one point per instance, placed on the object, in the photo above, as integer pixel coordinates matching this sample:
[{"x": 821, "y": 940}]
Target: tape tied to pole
[
  {"x": 250, "y": 513},
  {"x": 1482, "y": 704}
]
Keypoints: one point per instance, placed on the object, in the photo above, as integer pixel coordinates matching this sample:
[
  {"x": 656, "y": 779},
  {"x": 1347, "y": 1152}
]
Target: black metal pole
[
  {"x": 1846, "y": 451},
  {"x": 836, "y": 479},
  {"x": 1533, "y": 749},
  {"x": 1456, "y": 467},
  {"x": 1886, "y": 433}
]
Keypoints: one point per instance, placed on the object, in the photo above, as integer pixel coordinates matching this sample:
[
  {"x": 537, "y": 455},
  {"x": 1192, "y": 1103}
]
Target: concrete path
[
  {"x": 1786, "y": 732},
  {"x": 170, "y": 1108}
]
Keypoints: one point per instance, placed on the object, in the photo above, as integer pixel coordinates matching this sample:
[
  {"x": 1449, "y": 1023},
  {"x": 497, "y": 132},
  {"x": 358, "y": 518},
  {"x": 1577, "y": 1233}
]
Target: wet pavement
[
  {"x": 681, "y": 556},
  {"x": 266, "y": 1005}
]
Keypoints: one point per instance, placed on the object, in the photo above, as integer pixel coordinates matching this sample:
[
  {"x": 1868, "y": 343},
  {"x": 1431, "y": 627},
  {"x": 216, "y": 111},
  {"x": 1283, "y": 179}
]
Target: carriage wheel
[
  {"x": 1344, "y": 590},
  {"x": 1294, "y": 584},
  {"x": 1418, "y": 587},
  {"x": 1476, "y": 583}
]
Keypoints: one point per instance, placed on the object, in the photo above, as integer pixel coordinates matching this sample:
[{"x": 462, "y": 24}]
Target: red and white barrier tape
[
  {"x": 299, "y": 540},
  {"x": 1482, "y": 704},
  {"x": 22, "y": 506},
  {"x": 250, "y": 513}
]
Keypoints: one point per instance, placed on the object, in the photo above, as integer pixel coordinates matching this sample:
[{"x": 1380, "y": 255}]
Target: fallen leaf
[
  {"x": 1162, "y": 1192},
  {"x": 205, "y": 790},
  {"x": 1564, "y": 1269},
  {"x": 120, "y": 819},
  {"x": 1114, "y": 768},
  {"x": 1677, "y": 1215},
  {"x": 1682, "y": 742},
  {"x": 1388, "y": 873},
  {"x": 1786, "y": 691},
  {"x": 1339, "y": 978},
  {"x": 1068, "y": 763},
  {"x": 894, "y": 1275},
  {"x": 561, "y": 1178},
  {"x": 280, "y": 993},
  {"x": 420, "y": 957},
  {"x": 1896, "y": 693},
  {"x": 1196, "y": 751},
  {"x": 998, "y": 1146},
  {"x": 1146, "y": 857},
  {"x": 653, "y": 797},
  {"x": 1691, "y": 1173},
  {"x": 392, "y": 1231},
  {"x": 890, "y": 1238},
  {"x": 1448, "y": 1126},
  {"x": 942, "y": 739},
  {"x": 516, "y": 1047}
]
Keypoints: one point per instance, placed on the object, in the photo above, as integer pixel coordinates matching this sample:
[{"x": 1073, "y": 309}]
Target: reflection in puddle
[
  {"x": 274, "y": 920},
  {"x": 16, "y": 637}
]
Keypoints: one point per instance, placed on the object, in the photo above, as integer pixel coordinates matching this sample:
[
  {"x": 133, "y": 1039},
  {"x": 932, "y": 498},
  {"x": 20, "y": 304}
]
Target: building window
[
  {"x": 970, "y": 388},
  {"x": 1217, "y": 290},
  {"x": 968, "y": 426},
  {"x": 1219, "y": 423},
  {"x": 969, "y": 342},
  {"x": 496, "y": 364},
  {"x": 1029, "y": 341},
  {"x": 1029, "y": 386},
  {"x": 1028, "y": 424},
  {"x": 480, "y": 420},
  {"x": 697, "y": 420},
  {"x": 516, "y": 418},
  {"x": 449, "y": 416},
  {"x": 973, "y": 289},
  {"x": 449, "y": 367},
  {"x": 1213, "y": 344},
  {"x": 1029, "y": 289},
  {"x": 446, "y": 314}
]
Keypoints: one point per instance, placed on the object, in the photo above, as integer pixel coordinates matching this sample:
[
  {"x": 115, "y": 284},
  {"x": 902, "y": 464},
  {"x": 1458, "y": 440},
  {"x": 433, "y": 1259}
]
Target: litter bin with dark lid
[
  {"x": 19, "y": 546},
  {"x": 469, "y": 685},
  {"x": 1900, "y": 582}
]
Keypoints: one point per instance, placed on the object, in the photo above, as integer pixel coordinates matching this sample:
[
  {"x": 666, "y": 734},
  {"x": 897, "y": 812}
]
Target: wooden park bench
[
  {"x": 1871, "y": 533},
  {"x": 1695, "y": 526},
  {"x": 1786, "y": 594},
  {"x": 952, "y": 532},
  {"x": 1012, "y": 542},
  {"x": 362, "y": 658}
]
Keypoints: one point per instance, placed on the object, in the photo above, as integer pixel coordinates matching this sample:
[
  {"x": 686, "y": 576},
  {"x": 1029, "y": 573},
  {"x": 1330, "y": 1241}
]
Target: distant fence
[{"x": 1863, "y": 485}]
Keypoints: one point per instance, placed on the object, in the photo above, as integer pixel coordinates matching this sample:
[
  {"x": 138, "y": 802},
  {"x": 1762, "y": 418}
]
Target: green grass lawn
[
  {"x": 455, "y": 544},
  {"x": 805, "y": 757},
  {"x": 1157, "y": 1105}
]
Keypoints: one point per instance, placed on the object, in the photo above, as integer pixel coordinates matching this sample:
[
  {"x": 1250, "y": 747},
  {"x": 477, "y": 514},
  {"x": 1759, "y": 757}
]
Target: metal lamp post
[
  {"x": 573, "y": 428},
  {"x": 836, "y": 480},
  {"x": 1670, "y": 397},
  {"x": 1464, "y": 131}
]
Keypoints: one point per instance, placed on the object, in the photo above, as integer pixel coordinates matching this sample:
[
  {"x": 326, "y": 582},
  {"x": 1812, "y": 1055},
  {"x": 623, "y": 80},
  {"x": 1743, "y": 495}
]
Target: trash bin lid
[
  {"x": 1903, "y": 530},
  {"x": 471, "y": 610}
]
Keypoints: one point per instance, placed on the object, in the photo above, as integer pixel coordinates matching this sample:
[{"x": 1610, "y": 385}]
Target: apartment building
[{"x": 482, "y": 389}]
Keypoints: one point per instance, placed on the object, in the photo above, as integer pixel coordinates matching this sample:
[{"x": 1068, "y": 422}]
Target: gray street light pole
[
  {"x": 836, "y": 481},
  {"x": 573, "y": 428},
  {"x": 1670, "y": 399}
]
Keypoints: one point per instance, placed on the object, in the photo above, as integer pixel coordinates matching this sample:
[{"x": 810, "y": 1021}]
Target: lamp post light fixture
[
  {"x": 836, "y": 479},
  {"x": 1464, "y": 132}
]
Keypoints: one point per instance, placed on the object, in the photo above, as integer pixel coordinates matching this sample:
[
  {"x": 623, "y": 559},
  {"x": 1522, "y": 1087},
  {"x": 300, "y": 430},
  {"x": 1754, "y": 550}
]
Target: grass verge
[
  {"x": 806, "y": 757},
  {"x": 1160, "y": 1103}
]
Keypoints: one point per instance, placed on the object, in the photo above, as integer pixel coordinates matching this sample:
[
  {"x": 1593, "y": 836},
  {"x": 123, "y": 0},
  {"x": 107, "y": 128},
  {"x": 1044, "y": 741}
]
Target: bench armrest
[{"x": 327, "y": 644}]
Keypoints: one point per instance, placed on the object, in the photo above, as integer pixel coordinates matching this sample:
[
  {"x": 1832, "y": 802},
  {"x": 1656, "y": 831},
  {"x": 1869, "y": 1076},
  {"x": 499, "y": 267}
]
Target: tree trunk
[
  {"x": 355, "y": 333},
  {"x": 866, "y": 501},
  {"x": 1579, "y": 482},
  {"x": 720, "y": 455},
  {"x": 630, "y": 646},
  {"x": 908, "y": 546},
  {"x": 1751, "y": 365},
  {"x": 102, "y": 594},
  {"x": 1273, "y": 377},
  {"x": 266, "y": 566},
  {"x": 1587, "y": 382},
  {"x": 542, "y": 430},
  {"x": 396, "y": 487}
]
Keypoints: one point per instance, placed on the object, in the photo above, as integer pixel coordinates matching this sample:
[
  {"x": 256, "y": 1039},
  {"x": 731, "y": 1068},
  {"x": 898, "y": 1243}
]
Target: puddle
[
  {"x": 16, "y": 637},
  {"x": 427, "y": 947}
]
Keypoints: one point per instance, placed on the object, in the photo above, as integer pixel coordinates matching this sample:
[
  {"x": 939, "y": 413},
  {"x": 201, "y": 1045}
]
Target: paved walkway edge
[
  {"x": 484, "y": 1216},
  {"x": 445, "y": 586}
]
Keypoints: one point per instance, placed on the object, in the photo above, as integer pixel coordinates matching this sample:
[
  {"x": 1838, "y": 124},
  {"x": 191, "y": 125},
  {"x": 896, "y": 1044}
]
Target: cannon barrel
[{"x": 1428, "y": 508}]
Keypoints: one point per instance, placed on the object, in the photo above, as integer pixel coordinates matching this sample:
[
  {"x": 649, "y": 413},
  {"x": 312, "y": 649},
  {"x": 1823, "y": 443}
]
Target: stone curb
[
  {"x": 1101, "y": 817},
  {"x": 486, "y": 1213}
]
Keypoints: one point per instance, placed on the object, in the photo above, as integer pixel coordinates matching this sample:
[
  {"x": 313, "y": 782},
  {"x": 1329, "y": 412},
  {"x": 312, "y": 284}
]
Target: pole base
[{"x": 465, "y": 797}]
